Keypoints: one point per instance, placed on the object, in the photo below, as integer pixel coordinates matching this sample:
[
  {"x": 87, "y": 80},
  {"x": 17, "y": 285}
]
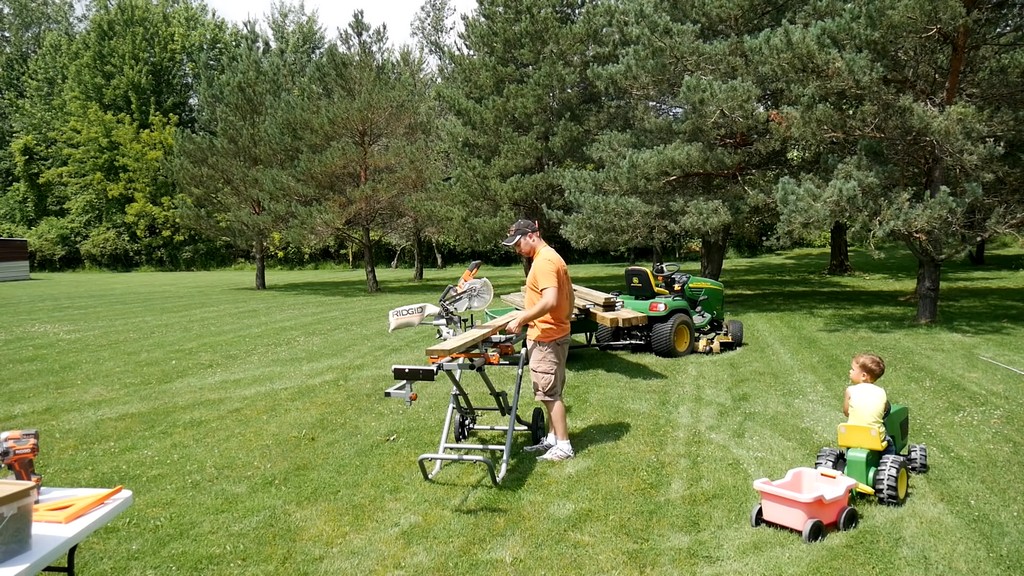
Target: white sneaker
[
  {"x": 557, "y": 453},
  {"x": 542, "y": 446}
]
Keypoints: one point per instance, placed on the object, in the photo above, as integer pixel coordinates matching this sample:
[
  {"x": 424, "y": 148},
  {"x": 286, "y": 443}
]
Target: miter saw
[{"x": 470, "y": 294}]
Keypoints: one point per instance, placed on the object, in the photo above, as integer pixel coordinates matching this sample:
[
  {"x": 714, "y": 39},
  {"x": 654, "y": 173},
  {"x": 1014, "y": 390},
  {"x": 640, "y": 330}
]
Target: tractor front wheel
[
  {"x": 735, "y": 328},
  {"x": 918, "y": 456},
  {"x": 831, "y": 458},
  {"x": 674, "y": 337},
  {"x": 892, "y": 480}
]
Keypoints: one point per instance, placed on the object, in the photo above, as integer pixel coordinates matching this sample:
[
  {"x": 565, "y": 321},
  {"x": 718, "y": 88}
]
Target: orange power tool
[{"x": 18, "y": 451}]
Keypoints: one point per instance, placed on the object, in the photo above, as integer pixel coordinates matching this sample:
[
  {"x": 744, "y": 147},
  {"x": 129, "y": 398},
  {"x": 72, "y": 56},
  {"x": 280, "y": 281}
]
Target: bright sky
[{"x": 334, "y": 14}]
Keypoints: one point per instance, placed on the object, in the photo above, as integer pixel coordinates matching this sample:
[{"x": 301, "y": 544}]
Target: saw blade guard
[{"x": 475, "y": 295}]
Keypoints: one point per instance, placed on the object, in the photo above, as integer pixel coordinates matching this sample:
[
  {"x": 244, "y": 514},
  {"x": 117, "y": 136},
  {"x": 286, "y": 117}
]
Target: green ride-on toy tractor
[
  {"x": 684, "y": 313},
  {"x": 861, "y": 456}
]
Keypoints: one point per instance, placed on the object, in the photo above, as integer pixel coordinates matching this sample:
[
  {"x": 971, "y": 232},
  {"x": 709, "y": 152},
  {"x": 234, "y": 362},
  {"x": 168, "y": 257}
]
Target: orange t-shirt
[{"x": 549, "y": 271}]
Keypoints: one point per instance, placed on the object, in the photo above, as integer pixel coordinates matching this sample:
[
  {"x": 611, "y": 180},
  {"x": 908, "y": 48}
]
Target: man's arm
[{"x": 548, "y": 299}]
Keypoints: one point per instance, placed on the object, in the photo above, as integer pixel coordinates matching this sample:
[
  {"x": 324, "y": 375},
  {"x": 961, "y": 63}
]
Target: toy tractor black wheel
[
  {"x": 918, "y": 457},
  {"x": 847, "y": 518},
  {"x": 537, "y": 428},
  {"x": 757, "y": 516},
  {"x": 735, "y": 328},
  {"x": 814, "y": 531},
  {"x": 831, "y": 458},
  {"x": 605, "y": 335},
  {"x": 892, "y": 480},
  {"x": 674, "y": 337}
]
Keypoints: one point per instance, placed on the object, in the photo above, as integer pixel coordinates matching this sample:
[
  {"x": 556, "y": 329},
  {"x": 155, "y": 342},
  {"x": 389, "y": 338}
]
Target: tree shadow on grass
[
  {"x": 428, "y": 291},
  {"x": 617, "y": 362}
]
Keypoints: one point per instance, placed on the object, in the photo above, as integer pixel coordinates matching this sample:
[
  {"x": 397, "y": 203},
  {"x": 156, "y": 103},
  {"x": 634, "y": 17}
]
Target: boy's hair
[{"x": 871, "y": 364}]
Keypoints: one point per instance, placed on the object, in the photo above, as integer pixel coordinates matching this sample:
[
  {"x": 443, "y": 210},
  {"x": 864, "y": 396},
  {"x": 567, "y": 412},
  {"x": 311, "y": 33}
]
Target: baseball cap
[{"x": 518, "y": 230}]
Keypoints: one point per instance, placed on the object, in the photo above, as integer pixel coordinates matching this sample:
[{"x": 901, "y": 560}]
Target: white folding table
[{"x": 50, "y": 541}]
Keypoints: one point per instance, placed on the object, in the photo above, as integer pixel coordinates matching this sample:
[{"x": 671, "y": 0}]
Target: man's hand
[{"x": 516, "y": 325}]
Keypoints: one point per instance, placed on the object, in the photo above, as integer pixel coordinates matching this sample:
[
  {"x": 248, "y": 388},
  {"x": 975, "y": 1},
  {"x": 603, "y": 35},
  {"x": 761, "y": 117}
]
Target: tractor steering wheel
[{"x": 666, "y": 268}]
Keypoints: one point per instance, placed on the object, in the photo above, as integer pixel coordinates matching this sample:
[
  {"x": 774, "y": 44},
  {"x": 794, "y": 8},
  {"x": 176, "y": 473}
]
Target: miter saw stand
[{"x": 462, "y": 415}]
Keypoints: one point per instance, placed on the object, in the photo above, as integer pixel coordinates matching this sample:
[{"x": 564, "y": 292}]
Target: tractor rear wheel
[
  {"x": 892, "y": 480},
  {"x": 831, "y": 458},
  {"x": 735, "y": 328},
  {"x": 918, "y": 456},
  {"x": 674, "y": 337}
]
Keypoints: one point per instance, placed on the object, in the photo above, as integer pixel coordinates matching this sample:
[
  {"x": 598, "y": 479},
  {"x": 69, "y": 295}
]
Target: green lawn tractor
[
  {"x": 861, "y": 456},
  {"x": 684, "y": 314}
]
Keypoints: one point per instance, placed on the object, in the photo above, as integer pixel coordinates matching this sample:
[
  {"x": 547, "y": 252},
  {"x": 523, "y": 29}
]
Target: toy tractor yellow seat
[
  {"x": 640, "y": 284},
  {"x": 860, "y": 456}
]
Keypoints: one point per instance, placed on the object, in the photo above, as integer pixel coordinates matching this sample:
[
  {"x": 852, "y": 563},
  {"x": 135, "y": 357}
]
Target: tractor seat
[
  {"x": 859, "y": 436},
  {"x": 640, "y": 284}
]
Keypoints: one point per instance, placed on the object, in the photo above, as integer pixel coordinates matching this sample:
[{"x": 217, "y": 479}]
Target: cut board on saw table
[{"x": 470, "y": 337}]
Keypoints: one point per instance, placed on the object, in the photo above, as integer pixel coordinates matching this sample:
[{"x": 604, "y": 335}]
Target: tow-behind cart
[{"x": 467, "y": 349}]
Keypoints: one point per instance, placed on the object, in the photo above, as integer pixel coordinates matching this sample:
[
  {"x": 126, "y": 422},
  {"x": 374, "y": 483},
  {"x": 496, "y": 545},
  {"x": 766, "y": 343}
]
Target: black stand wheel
[
  {"x": 847, "y": 518},
  {"x": 463, "y": 425},
  {"x": 918, "y": 457},
  {"x": 757, "y": 516},
  {"x": 814, "y": 531},
  {"x": 538, "y": 430}
]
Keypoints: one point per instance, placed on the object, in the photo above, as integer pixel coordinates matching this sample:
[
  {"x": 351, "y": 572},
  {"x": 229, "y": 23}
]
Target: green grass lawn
[{"x": 253, "y": 429}]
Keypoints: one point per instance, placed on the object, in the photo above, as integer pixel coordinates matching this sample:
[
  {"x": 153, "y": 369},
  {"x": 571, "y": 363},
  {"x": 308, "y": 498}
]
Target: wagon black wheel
[
  {"x": 537, "y": 428},
  {"x": 757, "y": 516},
  {"x": 848, "y": 518},
  {"x": 831, "y": 458},
  {"x": 814, "y": 530},
  {"x": 918, "y": 457},
  {"x": 674, "y": 337},
  {"x": 892, "y": 480}
]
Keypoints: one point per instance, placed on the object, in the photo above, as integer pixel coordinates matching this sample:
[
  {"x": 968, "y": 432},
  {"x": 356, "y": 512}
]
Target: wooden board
[
  {"x": 618, "y": 318},
  {"x": 599, "y": 298},
  {"x": 470, "y": 338}
]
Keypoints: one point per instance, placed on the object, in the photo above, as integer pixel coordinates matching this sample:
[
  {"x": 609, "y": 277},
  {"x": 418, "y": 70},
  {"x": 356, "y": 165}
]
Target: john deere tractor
[
  {"x": 684, "y": 313},
  {"x": 861, "y": 456}
]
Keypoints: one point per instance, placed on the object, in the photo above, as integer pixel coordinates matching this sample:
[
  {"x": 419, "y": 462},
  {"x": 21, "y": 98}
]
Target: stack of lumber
[{"x": 599, "y": 306}]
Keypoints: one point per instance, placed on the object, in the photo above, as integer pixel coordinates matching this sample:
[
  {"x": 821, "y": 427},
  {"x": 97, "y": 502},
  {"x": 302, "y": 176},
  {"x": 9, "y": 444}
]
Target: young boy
[{"x": 865, "y": 402}]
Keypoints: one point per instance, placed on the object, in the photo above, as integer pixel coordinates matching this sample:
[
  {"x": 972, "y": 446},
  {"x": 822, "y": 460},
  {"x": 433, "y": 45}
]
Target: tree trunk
[
  {"x": 417, "y": 256},
  {"x": 977, "y": 256},
  {"x": 839, "y": 259},
  {"x": 259, "y": 251},
  {"x": 438, "y": 256},
  {"x": 712, "y": 256},
  {"x": 371, "y": 271},
  {"x": 929, "y": 271},
  {"x": 398, "y": 254}
]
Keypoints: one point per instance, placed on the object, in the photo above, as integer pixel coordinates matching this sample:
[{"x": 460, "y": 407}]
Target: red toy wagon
[{"x": 806, "y": 500}]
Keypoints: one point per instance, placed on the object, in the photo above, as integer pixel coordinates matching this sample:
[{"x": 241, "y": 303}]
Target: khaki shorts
[{"x": 547, "y": 367}]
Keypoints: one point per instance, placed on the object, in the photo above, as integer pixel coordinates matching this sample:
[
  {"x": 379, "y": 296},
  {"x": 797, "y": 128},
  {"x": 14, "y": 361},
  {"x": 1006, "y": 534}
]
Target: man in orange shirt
[{"x": 547, "y": 314}]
